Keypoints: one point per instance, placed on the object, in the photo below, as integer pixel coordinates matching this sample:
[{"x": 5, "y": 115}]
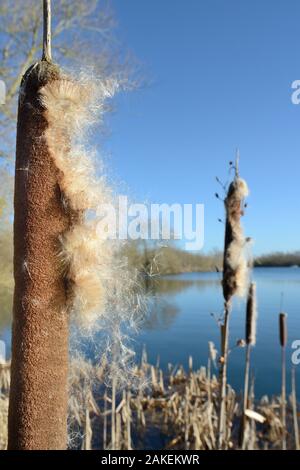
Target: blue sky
[{"x": 219, "y": 76}]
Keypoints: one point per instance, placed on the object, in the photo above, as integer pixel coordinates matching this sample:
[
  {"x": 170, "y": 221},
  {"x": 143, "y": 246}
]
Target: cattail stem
[
  {"x": 246, "y": 382},
  {"x": 283, "y": 398},
  {"x": 294, "y": 406},
  {"x": 283, "y": 342},
  {"x": 250, "y": 337},
  {"x": 223, "y": 379},
  {"x": 47, "y": 52},
  {"x": 246, "y": 396}
]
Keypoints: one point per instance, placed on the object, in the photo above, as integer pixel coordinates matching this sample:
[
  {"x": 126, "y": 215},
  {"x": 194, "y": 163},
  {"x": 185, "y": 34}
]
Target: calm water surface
[{"x": 181, "y": 324}]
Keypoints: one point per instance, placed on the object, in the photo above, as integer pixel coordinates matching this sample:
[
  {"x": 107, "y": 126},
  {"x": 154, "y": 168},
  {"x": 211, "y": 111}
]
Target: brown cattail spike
[
  {"x": 251, "y": 315},
  {"x": 282, "y": 329},
  {"x": 39, "y": 368},
  {"x": 234, "y": 264}
]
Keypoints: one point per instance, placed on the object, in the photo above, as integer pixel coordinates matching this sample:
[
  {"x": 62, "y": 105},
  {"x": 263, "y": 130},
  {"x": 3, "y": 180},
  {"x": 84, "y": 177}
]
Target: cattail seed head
[
  {"x": 235, "y": 266},
  {"x": 251, "y": 315},
  {"x": 282, "y": 329},
  {"x": 40, "y": 291},
  {"x": 102, "y": 292},
  {"x": 222, "y": 331}
]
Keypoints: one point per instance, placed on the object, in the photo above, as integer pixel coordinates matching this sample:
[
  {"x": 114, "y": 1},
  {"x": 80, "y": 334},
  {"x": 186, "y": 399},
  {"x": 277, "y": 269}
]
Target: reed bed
[
  {"x": 178, "y": 409},
  {"x": 4, "y": 390}
]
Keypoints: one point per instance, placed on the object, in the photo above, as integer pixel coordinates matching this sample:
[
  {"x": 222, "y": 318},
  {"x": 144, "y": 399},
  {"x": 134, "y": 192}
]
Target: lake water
[{"x": 181, "y": 325}]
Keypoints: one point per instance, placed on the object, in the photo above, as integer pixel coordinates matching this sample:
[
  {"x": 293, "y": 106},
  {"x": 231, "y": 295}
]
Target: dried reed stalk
[
  {"x": 113, "y": 415},
  {"x": 283, "y": 342},
  {"x": 209, "y": 399},
  {"x": 88, "y": 432},
  {"x": 118, "y": 432},
  {"x": 294, "y": 407},
  {"x": 129, "y": 418},
  {"x": 105, "y": 421}
]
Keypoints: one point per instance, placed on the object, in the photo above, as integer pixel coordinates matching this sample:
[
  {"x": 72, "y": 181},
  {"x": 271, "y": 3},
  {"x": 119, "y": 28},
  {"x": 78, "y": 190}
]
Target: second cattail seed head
[
  {"x": 282, "y": 329},
  {"x": 251, "y": 315}
]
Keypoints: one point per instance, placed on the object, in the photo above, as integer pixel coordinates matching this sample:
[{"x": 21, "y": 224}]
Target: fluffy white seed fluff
[
  {"x": 242, "y": 190},
  {"x": 103, "y": 294},
  {"x": 236, "y": 250},
  {"x": 70, "y": 107}
]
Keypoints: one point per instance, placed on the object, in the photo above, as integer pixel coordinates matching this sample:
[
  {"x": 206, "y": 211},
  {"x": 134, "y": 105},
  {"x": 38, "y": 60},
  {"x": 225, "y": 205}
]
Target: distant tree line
[
  {"x": 161, "y": 260},
  {"x": 278, "y": 259}
]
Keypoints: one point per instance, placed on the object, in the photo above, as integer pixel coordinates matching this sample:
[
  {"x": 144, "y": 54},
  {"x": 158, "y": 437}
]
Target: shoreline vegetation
[{"x": 168, "y": 260}]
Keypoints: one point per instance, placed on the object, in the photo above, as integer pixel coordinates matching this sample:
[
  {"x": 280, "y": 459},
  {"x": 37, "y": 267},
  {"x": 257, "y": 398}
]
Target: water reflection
[
  {"x": 175, "y": 284},
  {"x": 161, "y": 316},
  {"x": 162, "y": 311},
  {"x": 179, "y": 323}
]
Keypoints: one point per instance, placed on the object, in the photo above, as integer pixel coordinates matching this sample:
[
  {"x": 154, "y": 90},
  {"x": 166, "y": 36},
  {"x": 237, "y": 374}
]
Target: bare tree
[{"x": 83, "y": 33}]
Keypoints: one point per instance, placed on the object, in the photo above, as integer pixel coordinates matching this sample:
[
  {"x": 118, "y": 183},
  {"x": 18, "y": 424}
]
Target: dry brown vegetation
[{"x": 176, "y": 409}]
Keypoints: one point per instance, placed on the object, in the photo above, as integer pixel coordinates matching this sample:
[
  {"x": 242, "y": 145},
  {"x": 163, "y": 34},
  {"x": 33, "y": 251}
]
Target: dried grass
[{"x": 179, "y": 407}]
